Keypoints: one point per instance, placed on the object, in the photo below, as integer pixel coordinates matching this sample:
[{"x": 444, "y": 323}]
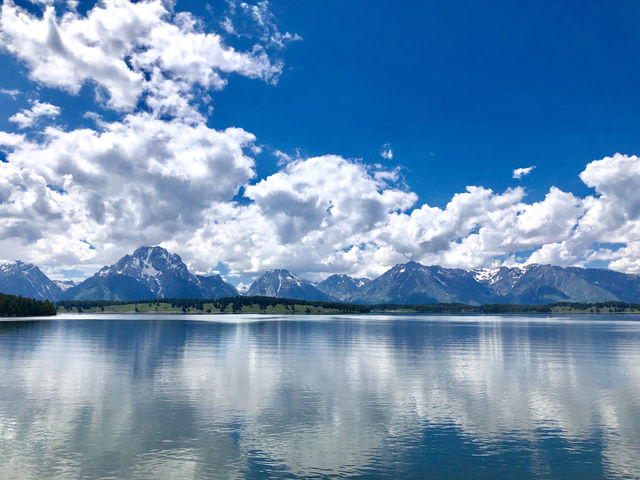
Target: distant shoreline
[{"x": 284, "y": 306}]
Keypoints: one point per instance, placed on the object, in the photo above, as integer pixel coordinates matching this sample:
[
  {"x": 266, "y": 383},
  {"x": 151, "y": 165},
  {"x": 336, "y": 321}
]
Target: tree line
[
  {"x": 609, "y": 306},
  {"x": 14, "y": 306},
  {"x": 235, "y": 304}
]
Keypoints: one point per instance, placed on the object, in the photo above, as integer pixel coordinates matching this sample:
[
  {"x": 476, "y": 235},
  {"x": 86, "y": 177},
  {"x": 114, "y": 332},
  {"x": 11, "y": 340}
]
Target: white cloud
[
  {"x": 284, "y": 158},
  {"x": 13, "y": 93},
  {"x": 143, "y": 181},
  {"x": 323, "y": 192},
  {"x": 28, "y": 116},
  {"x": 227, "y": 25},
  {"x": 118, "y": 44},
  {"x": 476, "y": 397},
  {"x": 318, "y": 226},
  {"x": 256, "y": 20},
  {"x": 386, "y": 152},
  {"x": 11, "y": 139},
  {"x": 521, "y": 172},
  {"x": 135, "y": 182},
  {"x": 160, "y": 175},
  {"x": 300, "y": 218}
]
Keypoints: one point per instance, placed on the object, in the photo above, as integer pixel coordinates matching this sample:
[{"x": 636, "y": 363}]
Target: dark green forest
[{"x": 12, "y": 306}]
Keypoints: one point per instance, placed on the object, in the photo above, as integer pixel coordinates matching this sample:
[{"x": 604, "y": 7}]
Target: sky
[{"x": 320, "y": 136}]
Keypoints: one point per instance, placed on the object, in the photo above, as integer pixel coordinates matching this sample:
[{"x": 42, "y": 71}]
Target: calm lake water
[{"x": 175, "y": 397}]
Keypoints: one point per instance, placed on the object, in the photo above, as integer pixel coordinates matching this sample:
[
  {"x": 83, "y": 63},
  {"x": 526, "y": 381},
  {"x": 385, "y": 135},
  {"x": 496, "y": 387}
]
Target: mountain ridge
[
  {"x": 148, "y": 273},
  {"x": 341, "y": 286},
  {"x": 281, "y": 283},
  {"x": 529, "y": 284},
  {"x": 153, "y": 272},
  {"x": 27, "y": 280}
]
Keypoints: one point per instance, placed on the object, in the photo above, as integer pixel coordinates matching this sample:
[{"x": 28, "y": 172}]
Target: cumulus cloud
[
  {"x": 28, "y": 116},
  {"x": 303, "y": 217},
  {"x": 119, "y": 44},
  {"x": 135, "y": 182},
  {"x": 11, "y": 139},
  {"x": 157, "y": 174},
  {"x": 326, "y": 214},
  {"x": 521, "y": 172},
  {"x": 476, "y": 228},
  {"x": 143, "y": 180}
]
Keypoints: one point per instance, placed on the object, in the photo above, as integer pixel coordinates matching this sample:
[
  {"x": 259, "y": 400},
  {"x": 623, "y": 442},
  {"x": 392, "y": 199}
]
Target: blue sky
[{"x": 461, "y": 93}]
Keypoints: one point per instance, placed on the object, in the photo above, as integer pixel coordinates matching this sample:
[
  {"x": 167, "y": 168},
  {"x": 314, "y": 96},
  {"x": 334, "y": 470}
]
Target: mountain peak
[
  {"x": 16, "y": 265},
  {"x": 150, "y": 272},
  {"x": 155, "y": 251},
  {"x": 341, "y": 286},
  {"x": 410, "y": 266},
  {"x": 284, "y": 284},
  {"x": 413, "y": 264},
  {"x": 27, "y": 280},
  {"x": 279, "y": 271}
]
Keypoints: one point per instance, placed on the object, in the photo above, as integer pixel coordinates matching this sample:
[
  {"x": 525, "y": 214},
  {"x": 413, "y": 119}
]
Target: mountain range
[
  {"x": 153, "y": 272},
  {"x": 530, "y": 284},
  {"x": 148, "y": 273}
]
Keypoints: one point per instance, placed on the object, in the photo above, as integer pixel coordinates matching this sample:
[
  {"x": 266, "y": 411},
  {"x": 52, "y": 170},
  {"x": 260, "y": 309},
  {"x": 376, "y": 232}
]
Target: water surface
[{"x": 117, "y": 396}]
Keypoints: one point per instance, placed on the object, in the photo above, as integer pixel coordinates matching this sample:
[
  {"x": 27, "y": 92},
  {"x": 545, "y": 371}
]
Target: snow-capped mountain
[
  {"x": 163, "y": 273},
  {"x": 150, "y": 272},
  {"x": 27, "y": 280},
  {"x": 528, "y": 284},
  {"x": 531, "y": 284},
  {"x": 341, "y": 286},
  {"x": 415, "y": 283},
  {"x": 153, "y": 272},
  {"x": 284, "y": 284},
  {"x": 243, "y": 288}
]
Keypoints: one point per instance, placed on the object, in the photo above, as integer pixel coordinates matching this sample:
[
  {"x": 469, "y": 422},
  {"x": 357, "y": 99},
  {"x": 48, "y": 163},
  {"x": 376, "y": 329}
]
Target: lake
[{"x": 371, "y": 396}]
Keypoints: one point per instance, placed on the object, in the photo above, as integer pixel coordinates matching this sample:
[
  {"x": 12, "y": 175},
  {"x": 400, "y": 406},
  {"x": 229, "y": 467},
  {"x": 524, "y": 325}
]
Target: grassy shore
[
  {"x": 207, "y": 308},
  {"x": 281, "y": 306},
  {"x": 268, "y": 305}
]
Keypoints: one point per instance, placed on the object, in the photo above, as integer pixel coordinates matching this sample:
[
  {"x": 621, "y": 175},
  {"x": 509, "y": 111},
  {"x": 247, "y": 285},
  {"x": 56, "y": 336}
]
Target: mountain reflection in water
[{"x": 368, "y": 396}]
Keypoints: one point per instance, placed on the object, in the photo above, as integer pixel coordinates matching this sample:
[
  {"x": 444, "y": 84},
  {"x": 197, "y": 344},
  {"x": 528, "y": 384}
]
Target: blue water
[{"x": 172, "y": 397}]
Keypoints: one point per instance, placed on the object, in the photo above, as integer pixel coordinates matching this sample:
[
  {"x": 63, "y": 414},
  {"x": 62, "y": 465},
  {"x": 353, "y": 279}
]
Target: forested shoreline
[
  {"x": 260, "y": 304},
  {"x": 15, "y": 306}
]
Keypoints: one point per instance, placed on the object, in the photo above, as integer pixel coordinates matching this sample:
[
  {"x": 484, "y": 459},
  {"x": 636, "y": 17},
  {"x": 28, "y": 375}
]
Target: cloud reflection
[{"x": 158, "y": 399}]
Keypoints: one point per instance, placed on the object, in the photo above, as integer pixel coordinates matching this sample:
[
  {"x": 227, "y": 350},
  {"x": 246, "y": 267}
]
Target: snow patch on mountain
[
  {"x": 243, "y": 288},
  {"x": 65, "y": 285}
]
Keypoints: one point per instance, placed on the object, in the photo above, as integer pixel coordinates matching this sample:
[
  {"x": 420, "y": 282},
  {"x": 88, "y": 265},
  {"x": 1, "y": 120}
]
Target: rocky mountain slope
[
  {"x": 341, "y": 286},
  {"x": 150, "y": 272},
  {"x": 153, "y": 272},
  {"x": 415, "y": 283},
  {"x": 529, "y": 284},
  {"x": 284, "y": 284},
  {"x": 27, "y": 280}
]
